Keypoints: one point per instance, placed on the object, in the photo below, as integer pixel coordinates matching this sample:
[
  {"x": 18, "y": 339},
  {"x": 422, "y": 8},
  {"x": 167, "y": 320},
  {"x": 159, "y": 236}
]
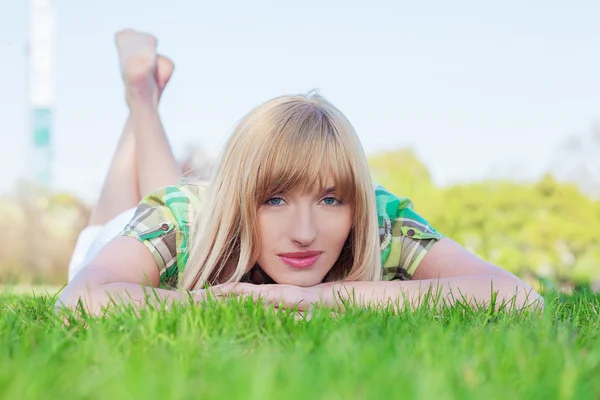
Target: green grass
[{"x": 242, "y": 351}]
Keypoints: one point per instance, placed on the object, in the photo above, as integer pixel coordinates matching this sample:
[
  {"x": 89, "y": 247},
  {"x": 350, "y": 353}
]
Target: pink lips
[{"x": 303, "y": 259}]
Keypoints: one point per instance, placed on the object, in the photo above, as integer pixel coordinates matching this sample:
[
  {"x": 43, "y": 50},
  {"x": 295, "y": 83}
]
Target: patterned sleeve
[
  {"x": 161, "y": 223},
  {"x": 406, "y": 237},
  {"x": 412, "y": 237}
]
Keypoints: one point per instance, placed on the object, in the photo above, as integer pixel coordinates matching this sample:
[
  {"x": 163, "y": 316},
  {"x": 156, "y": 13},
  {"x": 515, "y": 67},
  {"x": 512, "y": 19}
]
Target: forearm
[
  {"x": 95, "y": 297},
  {"x": 474, "y": 289}
]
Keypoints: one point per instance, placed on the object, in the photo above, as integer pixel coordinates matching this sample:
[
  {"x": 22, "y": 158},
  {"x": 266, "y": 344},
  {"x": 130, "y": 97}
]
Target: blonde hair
[{"x": 289, "y": 142}]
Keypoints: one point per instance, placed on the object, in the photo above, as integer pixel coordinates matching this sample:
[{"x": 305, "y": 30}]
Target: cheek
[
  {"x": 336, "y": 230},
  {"x": 270, "y": 229}
]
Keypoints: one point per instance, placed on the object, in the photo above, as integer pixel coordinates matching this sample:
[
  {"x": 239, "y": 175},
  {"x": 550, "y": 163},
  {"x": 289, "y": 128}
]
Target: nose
[{"x": 303, "y": 231}]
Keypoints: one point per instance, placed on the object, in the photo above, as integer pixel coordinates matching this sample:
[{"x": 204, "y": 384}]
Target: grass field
[{"x": 239, "y": 350}]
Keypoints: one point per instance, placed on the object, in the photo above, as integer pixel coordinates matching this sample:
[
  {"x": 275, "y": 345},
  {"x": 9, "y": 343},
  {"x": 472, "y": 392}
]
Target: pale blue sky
[{"x": 475, "y": 88}]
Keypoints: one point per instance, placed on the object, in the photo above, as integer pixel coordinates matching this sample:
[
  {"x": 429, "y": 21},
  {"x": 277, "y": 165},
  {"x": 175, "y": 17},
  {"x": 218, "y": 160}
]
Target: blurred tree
[
  {"x": 545, "y": 228},
  {"x": 403, "y": 173},
  {"x": 40, "y": 229}
]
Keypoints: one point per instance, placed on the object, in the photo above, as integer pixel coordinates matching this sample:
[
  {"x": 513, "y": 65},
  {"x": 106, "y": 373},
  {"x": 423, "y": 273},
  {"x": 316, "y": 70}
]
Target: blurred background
[{"x": 486, "y": 115}]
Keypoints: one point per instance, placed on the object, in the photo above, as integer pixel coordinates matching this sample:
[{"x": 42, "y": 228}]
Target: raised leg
[
  {"x": 137, "y": 167},
  {"x": 120, "y": 188},
  {"x": 140, "y": 67}
]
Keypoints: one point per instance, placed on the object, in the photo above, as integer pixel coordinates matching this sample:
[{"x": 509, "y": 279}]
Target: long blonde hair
[{"x": 289, "y": 142}]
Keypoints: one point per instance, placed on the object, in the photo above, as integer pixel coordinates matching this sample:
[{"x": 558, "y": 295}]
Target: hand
[{"x": 285, "y": 296}]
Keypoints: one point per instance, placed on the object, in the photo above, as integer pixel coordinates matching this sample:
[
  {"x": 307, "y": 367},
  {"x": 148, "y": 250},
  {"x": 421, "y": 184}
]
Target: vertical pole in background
[{"x": 41, "y": 88}]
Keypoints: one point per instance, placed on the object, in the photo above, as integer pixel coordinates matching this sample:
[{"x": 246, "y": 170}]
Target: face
[{"x": 302, "y": 235}]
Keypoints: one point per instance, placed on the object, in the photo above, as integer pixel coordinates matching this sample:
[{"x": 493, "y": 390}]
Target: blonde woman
[{"x": 289, "y": 215}]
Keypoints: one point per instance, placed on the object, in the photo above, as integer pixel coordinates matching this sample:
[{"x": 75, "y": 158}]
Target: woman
[{"x": 289, "y": 215}]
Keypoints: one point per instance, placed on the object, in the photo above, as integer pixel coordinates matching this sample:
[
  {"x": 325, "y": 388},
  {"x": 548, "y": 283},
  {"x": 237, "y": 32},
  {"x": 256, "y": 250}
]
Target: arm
[
  {"x": 124, "y": 271},
  {"x": 456, "y": 273},
  {"x": 474, "y": 289},
  {"x": 447, "y": 259}
]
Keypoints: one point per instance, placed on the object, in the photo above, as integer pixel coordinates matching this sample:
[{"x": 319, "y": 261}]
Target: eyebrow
[{"x": 330, "y": 189}]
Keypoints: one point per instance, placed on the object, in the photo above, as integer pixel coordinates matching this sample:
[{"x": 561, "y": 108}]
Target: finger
[
  {"x": 225, "y": 288},
  {"x": 286, "y": 296},
  {"x": 279, "y": 296}
]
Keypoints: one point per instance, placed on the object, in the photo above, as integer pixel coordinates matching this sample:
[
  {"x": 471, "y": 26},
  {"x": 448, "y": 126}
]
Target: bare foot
[
  {"x": 138, "y": 59},
  {"x": 164, "y": 70}
]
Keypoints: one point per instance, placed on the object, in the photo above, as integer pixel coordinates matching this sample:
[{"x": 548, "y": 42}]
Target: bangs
[{"x": 304, "y": 153}]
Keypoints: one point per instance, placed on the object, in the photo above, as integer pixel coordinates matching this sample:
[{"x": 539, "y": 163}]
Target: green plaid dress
[{"x": 162, "y": 223}]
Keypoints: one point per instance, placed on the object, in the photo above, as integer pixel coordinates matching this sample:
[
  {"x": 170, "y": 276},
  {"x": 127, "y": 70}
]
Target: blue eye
[
  {"x": 331, "y": 201},
  {"x": 328, "y": 201},
  {"x": 275, "y": 201}
]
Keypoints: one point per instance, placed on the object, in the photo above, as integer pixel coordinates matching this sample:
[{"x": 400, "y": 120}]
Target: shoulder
[
  {"x": 175, "y": 195},
  {"x": 162, "y": 222},
  {"x": 400, "y": 213},
  {"x": 405, "y": 235}
]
